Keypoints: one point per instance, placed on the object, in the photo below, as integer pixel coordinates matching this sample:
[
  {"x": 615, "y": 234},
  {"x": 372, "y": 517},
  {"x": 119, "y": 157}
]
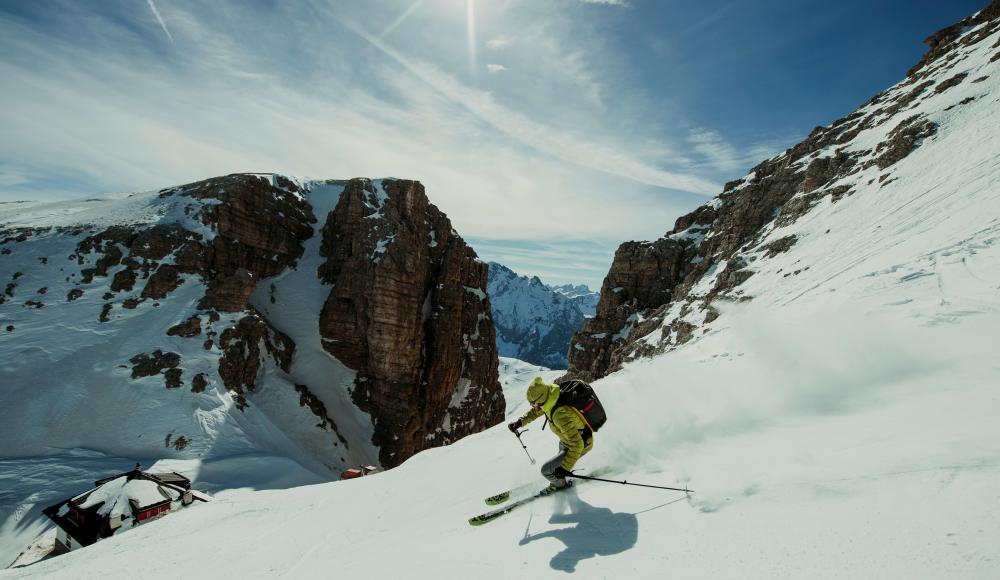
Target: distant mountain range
[{"x": 534, "y": 321}]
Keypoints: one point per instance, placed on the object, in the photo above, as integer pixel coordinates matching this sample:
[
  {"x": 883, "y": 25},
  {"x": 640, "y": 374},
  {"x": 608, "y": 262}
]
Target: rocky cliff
[
  {"x": 345, "y": 319},
  {"x": 662, "y": 294},
  {"x": 408, "y": 310}
]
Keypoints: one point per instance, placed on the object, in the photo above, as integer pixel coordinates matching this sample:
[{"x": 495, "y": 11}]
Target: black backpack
[{"x": 582, "y": 397}]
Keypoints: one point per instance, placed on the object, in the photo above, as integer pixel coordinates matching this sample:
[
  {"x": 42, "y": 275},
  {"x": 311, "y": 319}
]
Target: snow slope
[
  {"x": 88, "y": 419},
  {"x": 894, "y": 476},
  {"x": 516, "y": 375}
]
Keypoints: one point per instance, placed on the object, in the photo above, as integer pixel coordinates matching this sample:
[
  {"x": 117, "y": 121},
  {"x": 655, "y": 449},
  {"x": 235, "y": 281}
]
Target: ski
[
  {"x": 504, "y": 496},
  {"x": 494, "y": 514},
  {"x": 498, "y": 498}
]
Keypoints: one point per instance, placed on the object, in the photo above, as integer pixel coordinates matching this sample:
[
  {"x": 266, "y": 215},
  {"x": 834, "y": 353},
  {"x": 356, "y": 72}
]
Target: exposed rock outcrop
[
  {"x": 188, "y": 328},
  {"x": 258, "y": 228},
  {"x": 199, "y": 383},
  {"x": 147, "y": 365},
  {"x": 408, "y": 310},
  {"x": 942, "y": 42},
  {"x": 902, "y": 140},
  {"x": 242, "y": 358}
]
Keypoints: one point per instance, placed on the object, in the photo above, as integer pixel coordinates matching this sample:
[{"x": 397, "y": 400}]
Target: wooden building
[
  {"x": 358, "y": 471},
  {"x": 118, "y": 502}
]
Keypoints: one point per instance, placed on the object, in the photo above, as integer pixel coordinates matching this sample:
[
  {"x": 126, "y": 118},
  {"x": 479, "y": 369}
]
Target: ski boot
[{"x": 553, "y": 488}]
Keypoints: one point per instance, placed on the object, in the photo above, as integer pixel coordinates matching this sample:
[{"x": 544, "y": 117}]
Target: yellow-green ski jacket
[{"x": 567, "y": 423}]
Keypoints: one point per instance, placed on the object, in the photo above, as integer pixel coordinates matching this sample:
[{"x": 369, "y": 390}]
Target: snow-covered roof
[{"x": 118, "y": 494}]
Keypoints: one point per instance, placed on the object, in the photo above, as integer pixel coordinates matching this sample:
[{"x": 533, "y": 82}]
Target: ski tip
[
  {"x": 498, "y": 498},
  {"x": 480, "y": 520}
]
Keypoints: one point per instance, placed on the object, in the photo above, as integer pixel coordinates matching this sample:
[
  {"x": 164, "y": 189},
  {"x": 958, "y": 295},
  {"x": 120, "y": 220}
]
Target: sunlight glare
[{"x": 471, "y": 31}]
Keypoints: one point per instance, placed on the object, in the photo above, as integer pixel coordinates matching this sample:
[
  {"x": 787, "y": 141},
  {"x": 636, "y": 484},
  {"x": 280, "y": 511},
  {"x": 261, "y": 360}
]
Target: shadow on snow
[{"x": 596, "y": 531}]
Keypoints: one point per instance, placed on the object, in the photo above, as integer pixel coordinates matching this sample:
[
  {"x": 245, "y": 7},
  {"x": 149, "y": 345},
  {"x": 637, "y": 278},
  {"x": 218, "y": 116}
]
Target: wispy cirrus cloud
[
  {"x": 614, "y": 129},
  {"x": 724, "y": 157},
  {"x": 718, "y": 153},
  {"x": 615, "y": 161},
  {"x": 163, "y": 25},
  {"x": 531, "y": 141}
]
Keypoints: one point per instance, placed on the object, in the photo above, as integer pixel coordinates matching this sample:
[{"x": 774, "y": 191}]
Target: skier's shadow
[{"x": 598, "y": 532}]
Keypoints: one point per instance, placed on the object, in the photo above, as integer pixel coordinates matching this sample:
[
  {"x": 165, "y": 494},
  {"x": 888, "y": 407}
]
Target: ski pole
[
  {"x": 623, "y": 482},
  {"x": 525, "y": 447}
]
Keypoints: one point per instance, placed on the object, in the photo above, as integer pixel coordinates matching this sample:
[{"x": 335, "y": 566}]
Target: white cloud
[
  {"x": 715, "y": 149},
  {"x": 765, "y": 150},
  {"x": 499, "y": 42},
  {"x": 495, "y": 68},
  {"x": 725, "y": 158},
  {"x": 556, "y": 261},
  {"x": 607, "y": 2}
]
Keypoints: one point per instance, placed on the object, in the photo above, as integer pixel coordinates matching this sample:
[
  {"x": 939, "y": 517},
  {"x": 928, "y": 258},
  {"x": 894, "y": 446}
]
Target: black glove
[
  {"x": 562, "y": 472},
  {"x": 514, "y": 426}
]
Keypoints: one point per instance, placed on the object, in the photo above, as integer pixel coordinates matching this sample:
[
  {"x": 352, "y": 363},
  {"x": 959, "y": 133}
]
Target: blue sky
[{"x": 548, "y": 130}]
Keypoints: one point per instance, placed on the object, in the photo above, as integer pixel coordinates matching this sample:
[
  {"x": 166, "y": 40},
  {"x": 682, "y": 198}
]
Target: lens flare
[{"x": 471, "y": 32}]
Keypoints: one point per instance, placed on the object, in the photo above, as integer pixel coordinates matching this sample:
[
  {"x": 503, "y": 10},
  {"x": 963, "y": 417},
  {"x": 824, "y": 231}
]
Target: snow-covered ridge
[{"x": 921, "y": 154}]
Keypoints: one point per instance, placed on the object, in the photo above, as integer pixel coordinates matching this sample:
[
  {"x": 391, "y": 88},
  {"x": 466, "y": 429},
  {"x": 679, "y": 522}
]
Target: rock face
[
  {"x": 241, "y": 360},
  {"x": 408, "y": 310},
  {"x": 534, "y": 321},
  {"x": 257, "y": 231},
  {"x": 183, "y": 295},
  {"x": 659, "y": 295}
]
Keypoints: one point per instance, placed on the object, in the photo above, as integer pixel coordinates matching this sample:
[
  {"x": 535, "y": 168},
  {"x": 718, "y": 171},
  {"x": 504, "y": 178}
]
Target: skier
[{"x": 575, "y": 437}]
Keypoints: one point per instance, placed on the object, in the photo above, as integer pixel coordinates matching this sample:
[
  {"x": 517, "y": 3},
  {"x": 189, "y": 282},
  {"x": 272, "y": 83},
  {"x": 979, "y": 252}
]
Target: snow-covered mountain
[
  {"x": 841, "y": 423},
  {"x": 245, "y": 308},
  {"x": 585, "y": 298},
  {"x": 534, "y": 321},
  {"x": 241, "y": 316}
]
